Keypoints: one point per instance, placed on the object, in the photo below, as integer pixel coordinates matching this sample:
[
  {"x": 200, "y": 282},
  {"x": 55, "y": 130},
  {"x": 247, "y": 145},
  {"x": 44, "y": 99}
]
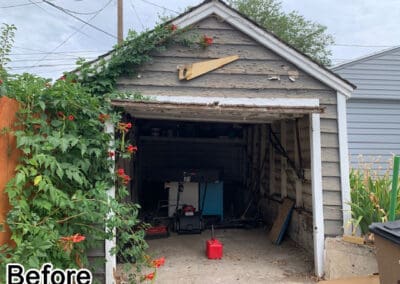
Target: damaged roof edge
[{"x": 278, "y": 107}]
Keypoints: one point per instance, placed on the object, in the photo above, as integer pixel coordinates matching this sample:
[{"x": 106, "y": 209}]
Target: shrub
[{"x": 370, "y": 195}]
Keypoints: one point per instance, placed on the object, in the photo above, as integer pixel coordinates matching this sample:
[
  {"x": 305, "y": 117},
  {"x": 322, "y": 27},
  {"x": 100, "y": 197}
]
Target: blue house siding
[
  {"x": 373, "y": 130},
  {"x": 373, "y": 112}
]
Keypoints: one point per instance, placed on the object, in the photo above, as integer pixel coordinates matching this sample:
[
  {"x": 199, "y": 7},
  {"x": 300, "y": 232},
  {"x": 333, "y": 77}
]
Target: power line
[
  {"x": 136, "y": 13},
  {"x": 81, "y": 20},
  {"x": 20, "y": 5},
  {"x": 59, "y": 52},
  {"x": 71, "y": 35},
  {"x": 48, "y": 13},
  {"x": 55, "y": 59},
  {"x": 39, "y": 66},
  {"x": 159, "y": 6},
  {"x": 81, "y": 13}
]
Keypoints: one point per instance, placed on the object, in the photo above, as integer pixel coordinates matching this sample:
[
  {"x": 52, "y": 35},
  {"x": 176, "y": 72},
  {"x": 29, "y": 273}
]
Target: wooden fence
[{"x": 9, "y": 156}]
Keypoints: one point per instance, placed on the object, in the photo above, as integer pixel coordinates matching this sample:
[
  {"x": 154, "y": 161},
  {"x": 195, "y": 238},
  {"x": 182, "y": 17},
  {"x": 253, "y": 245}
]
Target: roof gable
[{"x": 265, "y": 38}]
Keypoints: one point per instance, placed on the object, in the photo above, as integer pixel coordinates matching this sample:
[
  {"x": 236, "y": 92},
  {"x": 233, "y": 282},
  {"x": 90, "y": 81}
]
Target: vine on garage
[{"x": 60, "y": 205}]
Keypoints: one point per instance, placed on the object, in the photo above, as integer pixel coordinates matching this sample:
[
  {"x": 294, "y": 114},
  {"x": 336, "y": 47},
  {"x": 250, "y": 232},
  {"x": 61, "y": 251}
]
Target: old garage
[{"x": 266, "y": 127}]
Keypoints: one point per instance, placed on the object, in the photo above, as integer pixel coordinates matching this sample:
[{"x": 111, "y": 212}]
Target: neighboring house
[
  {"x": 225, "y": 118},
  {"x": 373, "y": 111}
]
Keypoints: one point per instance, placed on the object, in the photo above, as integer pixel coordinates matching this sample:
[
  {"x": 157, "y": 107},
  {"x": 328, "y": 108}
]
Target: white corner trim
[
  {"x": 317, "y": 198},
  {"x": 111, "y": 260},
  {"x": 267, "y": 40},
  {"x": 344, "y": 162}
]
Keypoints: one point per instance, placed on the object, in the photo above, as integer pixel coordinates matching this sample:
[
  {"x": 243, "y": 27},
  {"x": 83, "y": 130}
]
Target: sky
[{"x": 49, "y": 41}]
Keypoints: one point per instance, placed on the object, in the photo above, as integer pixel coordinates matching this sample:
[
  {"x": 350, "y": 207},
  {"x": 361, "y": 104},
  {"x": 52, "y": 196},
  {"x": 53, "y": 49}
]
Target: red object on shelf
[{"x": 214, "y": 249}]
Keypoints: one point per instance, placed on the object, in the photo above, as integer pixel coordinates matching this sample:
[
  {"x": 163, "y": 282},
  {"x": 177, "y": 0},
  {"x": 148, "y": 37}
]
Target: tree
[{"x": 306, "y": 36}]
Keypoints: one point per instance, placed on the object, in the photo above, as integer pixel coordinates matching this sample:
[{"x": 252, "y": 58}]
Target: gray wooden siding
[
  {"x": 248, "y": 77},
  {"x": 376, "y": 77},
  {"x": 373, "y": 131}
]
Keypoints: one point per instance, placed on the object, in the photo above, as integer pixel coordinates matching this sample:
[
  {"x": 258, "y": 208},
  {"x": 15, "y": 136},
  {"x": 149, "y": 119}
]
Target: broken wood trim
[
  {"x": 283, "y": 134},
  {"x": 218, "y": 106},
  {"x": 298, "y": 163},
  {"x": 271, "y": 166}
]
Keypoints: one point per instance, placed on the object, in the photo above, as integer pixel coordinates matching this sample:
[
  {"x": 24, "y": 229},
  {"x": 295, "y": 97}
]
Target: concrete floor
[{"x": 249, "y": 257}]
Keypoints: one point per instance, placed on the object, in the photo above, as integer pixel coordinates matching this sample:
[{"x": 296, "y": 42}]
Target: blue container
[{"x": 214, "y": 200}]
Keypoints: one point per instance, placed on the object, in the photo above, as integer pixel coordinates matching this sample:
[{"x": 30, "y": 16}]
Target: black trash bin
[{"x": 387, "y": 241}]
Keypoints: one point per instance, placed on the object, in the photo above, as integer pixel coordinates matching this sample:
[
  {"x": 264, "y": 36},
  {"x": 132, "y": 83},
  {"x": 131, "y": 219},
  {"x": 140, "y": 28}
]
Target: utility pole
[{"x": 120, "y": 22}]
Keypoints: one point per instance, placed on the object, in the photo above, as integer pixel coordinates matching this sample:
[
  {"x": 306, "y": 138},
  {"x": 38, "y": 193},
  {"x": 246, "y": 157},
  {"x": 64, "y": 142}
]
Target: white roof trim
[
  {"x": 257, "y": 102},
  {"x": 267, "y": 40}
]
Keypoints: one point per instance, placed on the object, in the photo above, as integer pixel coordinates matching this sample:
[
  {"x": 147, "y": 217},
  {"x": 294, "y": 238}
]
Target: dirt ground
[{"x": 249, "y": 257}]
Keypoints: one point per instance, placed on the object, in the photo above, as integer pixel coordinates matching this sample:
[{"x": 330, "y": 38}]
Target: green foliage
[
  {"x": 60, "y": 186},
  {"x": 370, "y": 197},
  {"x": 100, "y": 77},
  {"x": 308, "y": 37},
  {"x": 7, "y": 33}
]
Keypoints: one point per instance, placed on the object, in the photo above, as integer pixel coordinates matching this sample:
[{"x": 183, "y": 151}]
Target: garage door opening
[{"x": 234, "y": 165}]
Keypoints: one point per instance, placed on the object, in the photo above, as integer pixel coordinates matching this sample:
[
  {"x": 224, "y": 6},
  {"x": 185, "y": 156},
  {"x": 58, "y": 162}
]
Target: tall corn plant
[{"x": 370, "y": 197}]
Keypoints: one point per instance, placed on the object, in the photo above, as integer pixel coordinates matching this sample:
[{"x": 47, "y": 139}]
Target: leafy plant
[
  {"x": 370, "y": 196},
  {"x": 7, "y": 33},
  {"x": 60, "y": 204},
  {"x": 307, "y": 36}
]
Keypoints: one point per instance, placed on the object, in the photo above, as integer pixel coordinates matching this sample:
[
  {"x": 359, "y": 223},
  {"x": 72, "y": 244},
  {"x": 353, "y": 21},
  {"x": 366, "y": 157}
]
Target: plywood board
[{"x": 282, "y": 221}]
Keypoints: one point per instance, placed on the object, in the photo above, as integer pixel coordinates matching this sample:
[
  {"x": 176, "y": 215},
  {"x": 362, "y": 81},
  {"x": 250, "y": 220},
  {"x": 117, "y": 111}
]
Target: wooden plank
[
  {"x": 250, "y": 145},
  {"x": 283, "y": 135},
  {"x": 222, "y": 37},
  {"x": 316, "y": 188},
  {"x": 329, "y": 125},
  {"x": 330, "y": 155},
  {"x": 353, "y": 239},
  {"x": 217, "y": 50},
  {"x": 256, "y": 155},
  {"x": 242, "y": 66},
  {"x": 280, "y": 224},
  {"x": 193, "y": 70},
  {"x": 333, "y": 227},
  {"x": 271, "y": 168},
  {"x": 263, "y": 159},
  {"x": 329, "y": 140},
  {"x": 330, "y": 169},
  {"x": 214, "y": 80},
  {"x": 213, "y": 22},
  {"x": 332, "y": 198},
  {"x": 307, "y": 202},
  {"x": 331, "y": 183},
  {"x": 324, "y": 95},
  {"x": 298, "y": 183},
  {"x": 333, "y": 212},
  {"x": 330, "y": 112}
]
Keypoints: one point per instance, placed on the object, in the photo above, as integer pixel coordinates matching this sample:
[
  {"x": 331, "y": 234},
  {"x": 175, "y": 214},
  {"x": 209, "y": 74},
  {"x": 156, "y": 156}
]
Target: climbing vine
[{"x": 60, "y": 204}]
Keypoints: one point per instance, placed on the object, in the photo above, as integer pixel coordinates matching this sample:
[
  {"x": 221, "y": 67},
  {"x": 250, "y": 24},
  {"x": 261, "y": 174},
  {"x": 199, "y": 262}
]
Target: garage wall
[
  {"x": 258, "y": 73},
  {"x": 160, "y": 155}
]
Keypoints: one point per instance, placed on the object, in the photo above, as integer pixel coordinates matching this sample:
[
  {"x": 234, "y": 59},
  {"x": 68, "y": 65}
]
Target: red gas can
[{"x": 214, "y": 249}]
